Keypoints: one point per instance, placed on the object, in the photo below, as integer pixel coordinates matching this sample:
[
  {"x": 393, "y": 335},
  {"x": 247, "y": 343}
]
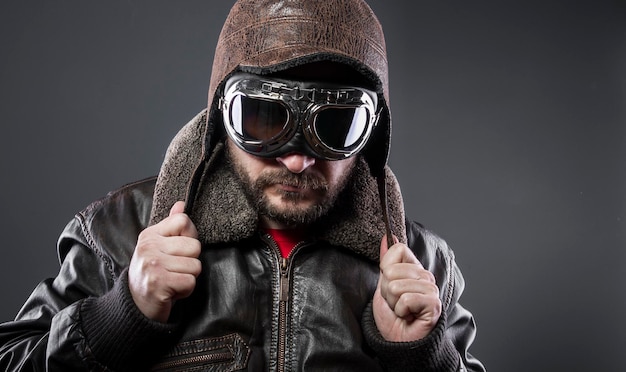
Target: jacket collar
[{"x": 222, "y": 213}]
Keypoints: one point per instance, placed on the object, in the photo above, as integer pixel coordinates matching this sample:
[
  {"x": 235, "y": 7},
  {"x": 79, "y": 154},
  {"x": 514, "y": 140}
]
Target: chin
[
  {"x": 293, "y": 207},
  {"x": 290, "y": 213}
]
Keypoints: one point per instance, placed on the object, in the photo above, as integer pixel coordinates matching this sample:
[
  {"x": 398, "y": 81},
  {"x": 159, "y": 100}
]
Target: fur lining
[{"x": 222, "y": 213}]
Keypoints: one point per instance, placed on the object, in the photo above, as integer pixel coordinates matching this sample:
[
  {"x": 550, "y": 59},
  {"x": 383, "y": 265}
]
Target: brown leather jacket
[{"x": 250, "y": 310}]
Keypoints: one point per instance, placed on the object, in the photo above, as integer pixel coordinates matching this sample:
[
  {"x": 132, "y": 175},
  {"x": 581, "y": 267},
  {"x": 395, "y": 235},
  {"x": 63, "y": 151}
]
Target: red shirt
[{"x": 286, "y": 239}]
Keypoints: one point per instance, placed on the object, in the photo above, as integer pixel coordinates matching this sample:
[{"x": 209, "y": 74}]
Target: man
[{"x": 274, "y": 236}]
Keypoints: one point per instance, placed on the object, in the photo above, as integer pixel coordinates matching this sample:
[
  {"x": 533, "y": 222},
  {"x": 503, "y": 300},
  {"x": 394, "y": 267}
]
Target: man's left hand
[{"x": 406, "y": 301}]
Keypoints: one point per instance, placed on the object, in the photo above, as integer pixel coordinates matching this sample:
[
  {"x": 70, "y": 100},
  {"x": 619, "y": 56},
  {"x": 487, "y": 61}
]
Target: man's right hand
[{"x": 165, "y": 264}]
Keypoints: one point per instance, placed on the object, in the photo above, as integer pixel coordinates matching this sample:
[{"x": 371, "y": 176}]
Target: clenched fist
[
  {"x": 406, "y": 302},
  {"x": 165, "y": 264}
]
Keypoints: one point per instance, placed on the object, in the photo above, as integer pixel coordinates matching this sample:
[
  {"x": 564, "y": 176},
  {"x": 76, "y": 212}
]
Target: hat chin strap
[
  {"x": 382, "y": 192},
  {"x": 208, "y": 146}
]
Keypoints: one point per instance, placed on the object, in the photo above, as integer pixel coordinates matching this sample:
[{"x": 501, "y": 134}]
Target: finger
[
  {"x": 395, "y": 289},
  {"x": 398, "y": 253},
  {"x": 183, "y": 265},
  {"x": 425, "y": 307},
  {"x": 384, "y": 247},
  {"x": 177, "y": 224},
  {"x": 181, "y": 246},
  {"x": 178, "y": 207},
  {"x": 155, "y": 262},
  {"x": 164, "y": 237},
  {"x": 407, "y": 271},
  {"x": 183, "y": 285},
  {"x": 169, "y": 286}
]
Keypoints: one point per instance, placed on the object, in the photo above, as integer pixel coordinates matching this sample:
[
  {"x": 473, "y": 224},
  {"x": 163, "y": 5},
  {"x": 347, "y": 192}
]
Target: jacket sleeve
[
  {"x": 446, "y": 347},
  {"x": 84, "y": 319}
]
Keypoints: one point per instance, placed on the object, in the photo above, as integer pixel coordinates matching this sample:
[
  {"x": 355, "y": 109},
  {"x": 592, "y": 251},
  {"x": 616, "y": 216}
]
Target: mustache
[{"x": 300, "y": 180}]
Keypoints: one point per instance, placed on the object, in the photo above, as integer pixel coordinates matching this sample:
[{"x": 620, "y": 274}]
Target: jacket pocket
[{"x": 226, "y": 353}]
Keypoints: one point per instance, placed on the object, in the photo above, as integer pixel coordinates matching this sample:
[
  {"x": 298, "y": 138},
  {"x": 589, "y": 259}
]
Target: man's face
[{"x": 290, "y": 190}]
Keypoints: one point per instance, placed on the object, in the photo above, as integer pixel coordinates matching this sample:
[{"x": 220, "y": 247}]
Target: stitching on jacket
[
  {"x": 92, "y": 244},
  {"x": 446, "y": 254},
  {"x": 451, "y": 278},
  {"x": 82, "y": 219}
]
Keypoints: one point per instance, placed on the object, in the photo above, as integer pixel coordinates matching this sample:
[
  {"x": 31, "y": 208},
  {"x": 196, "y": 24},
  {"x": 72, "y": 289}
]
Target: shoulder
[
  {"x": 425, "y": 243},
  {"x": 109, "y": 226},
  {"x": 131, "y": 202}
]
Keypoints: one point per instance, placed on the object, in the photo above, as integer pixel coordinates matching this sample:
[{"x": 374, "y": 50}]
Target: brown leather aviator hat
[{"x": 266, "y": 37}]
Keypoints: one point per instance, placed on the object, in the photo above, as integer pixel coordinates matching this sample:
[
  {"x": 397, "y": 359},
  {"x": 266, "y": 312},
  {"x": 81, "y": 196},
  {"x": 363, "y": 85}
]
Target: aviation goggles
[{"x": 270, "y": 117}]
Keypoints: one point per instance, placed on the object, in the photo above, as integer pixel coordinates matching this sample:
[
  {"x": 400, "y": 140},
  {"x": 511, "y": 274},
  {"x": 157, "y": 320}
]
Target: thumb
[
  {"x": 384, "y": 248},
  {"x": 178, "y": 207}
]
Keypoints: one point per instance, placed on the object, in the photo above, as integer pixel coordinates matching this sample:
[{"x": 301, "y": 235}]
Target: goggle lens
[
  {"x": 341, "y": 128},
  {"x": 257, "y": 119}
]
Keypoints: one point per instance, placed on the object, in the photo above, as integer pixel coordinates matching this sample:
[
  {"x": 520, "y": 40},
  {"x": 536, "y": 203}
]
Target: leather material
[
  {"x": 330, "y": 288},
  {"x": 267, "y": 35}
]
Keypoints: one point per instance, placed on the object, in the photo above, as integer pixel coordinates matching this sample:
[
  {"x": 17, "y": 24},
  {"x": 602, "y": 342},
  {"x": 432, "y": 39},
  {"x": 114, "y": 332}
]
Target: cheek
[
  {"x": 251, "y": 165},
  {"x": 339, "y": 170}
]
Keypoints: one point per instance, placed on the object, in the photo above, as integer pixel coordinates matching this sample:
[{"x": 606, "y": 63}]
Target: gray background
[{"x": 509, "y": 141}]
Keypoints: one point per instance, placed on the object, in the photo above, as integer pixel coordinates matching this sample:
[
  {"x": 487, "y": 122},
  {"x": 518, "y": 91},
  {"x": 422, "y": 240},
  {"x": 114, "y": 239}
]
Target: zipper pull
[{"x": 284, "y": 280}]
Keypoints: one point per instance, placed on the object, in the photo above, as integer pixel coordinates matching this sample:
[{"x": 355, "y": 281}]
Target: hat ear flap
[{"x": 376, "y": 152}]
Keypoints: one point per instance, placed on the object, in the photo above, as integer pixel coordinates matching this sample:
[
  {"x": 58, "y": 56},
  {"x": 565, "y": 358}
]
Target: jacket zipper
[
  {"x": 195, "y": 360},
  {"x": 283, "y": 300}
]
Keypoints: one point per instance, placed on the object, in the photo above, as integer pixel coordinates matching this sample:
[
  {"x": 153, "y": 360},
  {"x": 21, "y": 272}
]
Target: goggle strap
[{"x": 337, "y": 96}]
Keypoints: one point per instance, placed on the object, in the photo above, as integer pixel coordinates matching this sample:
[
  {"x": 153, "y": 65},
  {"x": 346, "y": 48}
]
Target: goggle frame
[{"x": 303, "y": 101}]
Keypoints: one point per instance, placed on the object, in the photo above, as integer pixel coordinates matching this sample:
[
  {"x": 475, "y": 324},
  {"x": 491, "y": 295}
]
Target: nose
[{"x": 296, "y": 162}]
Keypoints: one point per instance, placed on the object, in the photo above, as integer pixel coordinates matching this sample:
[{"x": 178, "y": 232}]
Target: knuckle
[
  {"x": 146, "y": 243},
  {"x": 404, "y": 304},
  {"x": 152, "y": 263},
  {"x": 163, "y": 298},
  {"x": 152, "y": 282},
  {"x": 434, "y": 305},
  {"x": 196, "y": 247},
  {"x": 391, "y": 271},
  {"x": 402, "y": 300},
  {"x": 429, "y": 276},
  {"x": 181, "y": 221},
  {"x": 395, "y": 288},
  {"x": 149, "y": 272},
  {"x": 197, "y": 268},
  {"x": 434, "y": 289},
  {"x": 144, "y": 234},
  {"x": 438, "y": 307},
  {"x": 187, "y": 283}
]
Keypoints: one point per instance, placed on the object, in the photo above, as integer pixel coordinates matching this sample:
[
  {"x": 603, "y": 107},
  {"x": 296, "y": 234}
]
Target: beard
[{"x": 291, "y": 212}]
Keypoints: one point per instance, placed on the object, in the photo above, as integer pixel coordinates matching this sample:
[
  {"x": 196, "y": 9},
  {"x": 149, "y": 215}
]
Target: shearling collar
[{"x": 222, "y": 213}]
